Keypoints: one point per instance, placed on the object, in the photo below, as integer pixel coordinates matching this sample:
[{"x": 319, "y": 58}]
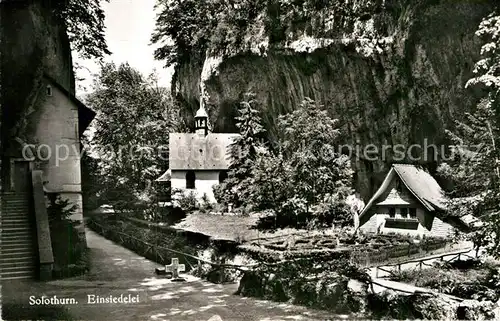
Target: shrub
[
  {"x": 67, "y": 243},
  {"x": 186, "y": 201},
  {"x": 205, "y": 204}
]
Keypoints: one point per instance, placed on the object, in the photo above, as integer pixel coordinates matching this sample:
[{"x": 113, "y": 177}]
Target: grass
[{"x": 239, "y": 228}]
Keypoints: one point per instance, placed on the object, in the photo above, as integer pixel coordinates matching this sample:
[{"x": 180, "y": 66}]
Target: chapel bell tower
[{"x": 201, "y": 122}]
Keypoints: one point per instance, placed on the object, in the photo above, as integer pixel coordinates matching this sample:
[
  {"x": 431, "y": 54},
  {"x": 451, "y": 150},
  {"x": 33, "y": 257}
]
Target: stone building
[{"x": 46, "y": 162}]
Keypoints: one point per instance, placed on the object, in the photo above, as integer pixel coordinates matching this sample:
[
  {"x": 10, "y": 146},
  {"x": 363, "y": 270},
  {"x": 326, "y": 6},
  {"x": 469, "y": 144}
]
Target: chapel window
[
  {"x": 404, "y": 212},
  {"x": 222, "y": 176},
  {"x": 190, "y": 180},
  {"x": 392, "y": 212},
  {"x": 413, "y": 213}
]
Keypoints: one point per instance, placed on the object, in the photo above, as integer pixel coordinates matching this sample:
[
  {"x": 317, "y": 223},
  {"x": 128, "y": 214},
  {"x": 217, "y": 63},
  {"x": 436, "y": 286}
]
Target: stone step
[
  {"x": 19, "y": 259},
  {"x": 10, "y": 207},
  {"x": 16, "y": 249},
  {"x": 7, "y": 254},
  {"x": 15, "y": 210},
  {"x": 6, "y": 236},
  {"x": 15, "y": 214},
  {"x": 15, "y": 201},
  {"x": 17, "y": 268},
  {"x": 6, "y": 233},
  {"x": 16, "y": 223},
  {"x": 19, "y": 244},
  {"x": 14, "y": 229},
  {"x": 7, "y": 226},
  {"x": 18, "y": 275}
]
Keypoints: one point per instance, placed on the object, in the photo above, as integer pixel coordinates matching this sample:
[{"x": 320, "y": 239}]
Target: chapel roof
[
  {"x": 201, "y": 113},
  {"x": 191, "y": 151}
]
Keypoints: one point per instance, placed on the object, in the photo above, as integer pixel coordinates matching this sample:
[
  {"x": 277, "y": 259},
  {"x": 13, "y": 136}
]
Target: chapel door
[{"x": 21, "y": 180}]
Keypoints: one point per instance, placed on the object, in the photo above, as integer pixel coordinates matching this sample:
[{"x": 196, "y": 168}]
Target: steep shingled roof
[
  {"x": 422, "y": 185},
  {"x": 425, "y": 189},
  {"x": 191, "y": 151},
  {"x": 419, "y": 182}
]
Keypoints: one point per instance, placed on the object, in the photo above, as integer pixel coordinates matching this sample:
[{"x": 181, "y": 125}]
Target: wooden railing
[{"x": 421, "y": 262}]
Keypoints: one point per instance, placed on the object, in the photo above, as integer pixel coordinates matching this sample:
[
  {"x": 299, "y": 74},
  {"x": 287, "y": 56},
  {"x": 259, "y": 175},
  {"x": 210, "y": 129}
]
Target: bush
[
  {"x": 187, "y": 201},
  {"x": 67, "y": 243}
]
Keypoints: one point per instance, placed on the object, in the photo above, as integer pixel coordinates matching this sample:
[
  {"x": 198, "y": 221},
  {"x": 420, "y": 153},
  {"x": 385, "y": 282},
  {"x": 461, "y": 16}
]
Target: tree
[
  {"x": 189, "y": 28},
  {"x": 306, "y": 176},
  {"x": 84, "y": 23},
  {"x": 182, "y": 28},
  {"x": 475, "y": 168},
  {"x": 134, "y": 118},
  {"x": 243, "y": 152}
]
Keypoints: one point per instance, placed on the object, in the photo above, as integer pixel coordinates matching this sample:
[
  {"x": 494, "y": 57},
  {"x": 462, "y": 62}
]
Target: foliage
[
  {"x": 475, "y": 168},
  {"x": 206, "y": 204},
  {"x": 134, "y": 117},
  {"x": 60, "y": 209},
  {"x": 186, "y": 28},
  {"x": 235, "y": 189},
  {"x": 186, "y": 200},
  {"x": 84, "y": 23},
  {"x": 190, "y": 28},
  {"x": 306, "y": 176},
  {"x": 311, "y": 282},
  {"x": 90, "y": 181},
  {"x": 67, "y": 243},
  {"x": 466, "y": 279}
]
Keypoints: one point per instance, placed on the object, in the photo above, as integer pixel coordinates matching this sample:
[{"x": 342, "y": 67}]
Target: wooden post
[
  {"x": 376, "y": 272},
  {"x": 399, "y": 268}
]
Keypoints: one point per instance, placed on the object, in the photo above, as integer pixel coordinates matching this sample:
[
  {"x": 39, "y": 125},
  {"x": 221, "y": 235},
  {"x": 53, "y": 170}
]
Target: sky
[{"x": 129, "y": 24}]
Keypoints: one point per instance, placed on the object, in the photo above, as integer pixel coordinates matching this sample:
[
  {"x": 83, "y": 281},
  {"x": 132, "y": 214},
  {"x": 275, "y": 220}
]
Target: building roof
[
  {"x": 85, "y": 114},
  {"x": 201, "y": 113},
  {"x": 191, "y": 151},
  {"x": 424, "y": 188},
  {"x": 165, "y": 177},
  {"x": 420, "y": 184}
]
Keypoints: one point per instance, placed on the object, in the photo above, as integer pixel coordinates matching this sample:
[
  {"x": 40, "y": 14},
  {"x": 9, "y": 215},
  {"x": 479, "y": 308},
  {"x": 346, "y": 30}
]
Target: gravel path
[{"x": 117, "y": 271}]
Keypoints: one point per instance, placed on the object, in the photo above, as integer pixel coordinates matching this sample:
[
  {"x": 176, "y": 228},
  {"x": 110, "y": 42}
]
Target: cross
[{"x": 175, "y": 268}]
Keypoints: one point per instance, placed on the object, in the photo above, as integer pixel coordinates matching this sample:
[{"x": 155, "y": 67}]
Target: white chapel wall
[{"x": 203, "y": 183}]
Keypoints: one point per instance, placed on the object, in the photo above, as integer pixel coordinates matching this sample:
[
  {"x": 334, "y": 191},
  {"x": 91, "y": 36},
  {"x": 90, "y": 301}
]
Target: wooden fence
[
  {"x": 421, "y": 262},
  {"x": 396, "y": 252}
]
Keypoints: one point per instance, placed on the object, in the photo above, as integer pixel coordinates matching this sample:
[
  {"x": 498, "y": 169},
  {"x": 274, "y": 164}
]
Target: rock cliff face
[
  {"x": 392, "y": 71},
  {"x": 33, "y": 43}
]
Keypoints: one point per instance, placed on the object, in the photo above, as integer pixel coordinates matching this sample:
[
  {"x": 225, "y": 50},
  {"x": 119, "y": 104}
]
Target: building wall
[
  {"x": 428, "y": 224},
  {"x": 204, "y": 182},
  {"x": 58, "y": 144}
]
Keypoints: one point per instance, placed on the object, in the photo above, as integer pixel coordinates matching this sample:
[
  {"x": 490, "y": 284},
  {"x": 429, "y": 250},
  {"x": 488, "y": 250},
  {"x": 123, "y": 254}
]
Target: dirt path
[{"x": 117, "y": 271}]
